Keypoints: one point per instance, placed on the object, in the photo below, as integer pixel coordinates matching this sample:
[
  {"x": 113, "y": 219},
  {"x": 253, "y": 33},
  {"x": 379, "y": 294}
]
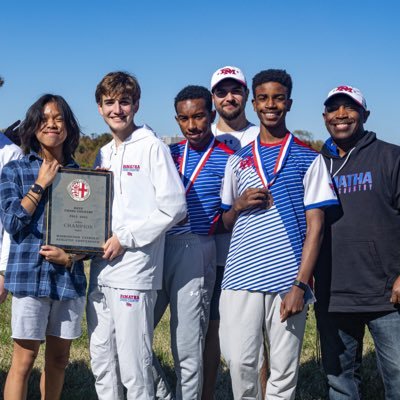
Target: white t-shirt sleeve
[
  {"x": 5, "y": 249},
  {"x": 318, "y": 187},
  {"x": 229, "y": 188},
  {"x": 9, "y": 152}
]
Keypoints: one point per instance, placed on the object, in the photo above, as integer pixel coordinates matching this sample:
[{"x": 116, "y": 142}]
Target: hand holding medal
[{"x": 254, "y": 197}]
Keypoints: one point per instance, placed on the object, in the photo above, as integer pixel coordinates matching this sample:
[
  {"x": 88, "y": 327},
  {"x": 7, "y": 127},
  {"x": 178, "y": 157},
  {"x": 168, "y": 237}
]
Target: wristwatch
[
  {"x": 300, "y": 284},
  {"x": 35, "y": 188}
]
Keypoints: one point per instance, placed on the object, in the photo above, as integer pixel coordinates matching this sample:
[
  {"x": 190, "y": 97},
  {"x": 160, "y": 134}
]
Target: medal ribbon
[
  {"x": 262, "y": 172},
  {"x": 200, "y": 165}
]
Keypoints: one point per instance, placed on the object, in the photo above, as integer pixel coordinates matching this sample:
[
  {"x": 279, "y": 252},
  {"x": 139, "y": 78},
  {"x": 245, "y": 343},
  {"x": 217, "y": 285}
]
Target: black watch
[
  {"x": 35, "y": 188},
  {"x": 300, "y": 284}
]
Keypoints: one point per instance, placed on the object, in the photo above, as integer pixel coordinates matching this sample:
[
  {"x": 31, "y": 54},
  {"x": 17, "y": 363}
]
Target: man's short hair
[
  {"x": 273, "y": 75},
  {"x": 193, "y": 92},
  {"x": 117, "y": 84},
  {"x": 1, "y": 81}
]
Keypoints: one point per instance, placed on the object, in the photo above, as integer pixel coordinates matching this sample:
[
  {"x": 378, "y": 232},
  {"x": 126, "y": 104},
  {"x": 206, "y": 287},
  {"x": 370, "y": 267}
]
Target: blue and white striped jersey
[
  {"x": 266, "y": 246},
  {"x": 202, "y": 176}
]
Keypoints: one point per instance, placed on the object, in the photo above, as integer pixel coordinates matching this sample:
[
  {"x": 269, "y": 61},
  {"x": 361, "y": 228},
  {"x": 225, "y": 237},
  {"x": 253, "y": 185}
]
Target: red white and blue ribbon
[
  {"x": 262, "y": 172},
  {"x": 200, "y": 165}
]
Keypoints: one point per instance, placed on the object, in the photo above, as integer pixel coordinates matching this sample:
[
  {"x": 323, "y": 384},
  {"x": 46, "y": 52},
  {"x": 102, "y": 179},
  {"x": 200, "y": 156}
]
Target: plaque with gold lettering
[{"x": 78, "y": 210}]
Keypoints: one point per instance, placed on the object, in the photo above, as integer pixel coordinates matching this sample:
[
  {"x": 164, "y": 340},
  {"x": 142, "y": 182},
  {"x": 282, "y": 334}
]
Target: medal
[{"x": 270, "y": 200}]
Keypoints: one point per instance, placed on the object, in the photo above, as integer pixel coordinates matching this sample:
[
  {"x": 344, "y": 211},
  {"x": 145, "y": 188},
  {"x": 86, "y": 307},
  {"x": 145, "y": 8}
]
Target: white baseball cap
[
  {"x": 350, "y": 91},
  {"x": 227, "y": 72}
]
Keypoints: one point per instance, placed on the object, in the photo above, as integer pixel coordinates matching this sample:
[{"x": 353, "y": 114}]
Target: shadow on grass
[
  {"x": 79, "y": 383},
  {"x": 312, "y": 382},
  {"x": 223, "y": 386}
]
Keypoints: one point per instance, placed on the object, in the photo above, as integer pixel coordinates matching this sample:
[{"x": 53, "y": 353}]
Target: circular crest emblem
[{"x": 79, "y": 190}]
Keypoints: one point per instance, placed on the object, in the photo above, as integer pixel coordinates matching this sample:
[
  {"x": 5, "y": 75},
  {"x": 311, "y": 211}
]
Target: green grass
[{"x": 79, "y": 382}]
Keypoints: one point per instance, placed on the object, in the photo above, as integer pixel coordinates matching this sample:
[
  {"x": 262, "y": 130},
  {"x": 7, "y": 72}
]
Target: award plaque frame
[{"x": 78, "y": 211}]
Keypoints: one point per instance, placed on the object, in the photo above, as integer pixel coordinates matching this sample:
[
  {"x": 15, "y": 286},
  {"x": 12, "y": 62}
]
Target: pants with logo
[
  {"x": 120, "y": 327},
  {"x": 244, "y": 314},
  {"x": 188, "y": 282},
  {"x": 342, "y": 335}
]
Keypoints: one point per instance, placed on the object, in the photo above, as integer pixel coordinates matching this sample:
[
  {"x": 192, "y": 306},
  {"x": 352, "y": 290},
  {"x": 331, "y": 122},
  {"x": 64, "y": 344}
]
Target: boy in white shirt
[{"x": 149, "y": 198}]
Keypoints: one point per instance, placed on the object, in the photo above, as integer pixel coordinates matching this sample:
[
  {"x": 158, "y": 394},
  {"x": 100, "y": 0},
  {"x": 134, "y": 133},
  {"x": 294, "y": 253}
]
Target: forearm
[
  {"x": 141, "y": 233},
  {"x": 312, "y": 244},
  {"x": 229, "y": 218},
  {"x": 31, "y": 201}
]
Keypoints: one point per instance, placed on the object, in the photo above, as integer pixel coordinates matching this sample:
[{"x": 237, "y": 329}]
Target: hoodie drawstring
[{"x": 342, "y": 166}]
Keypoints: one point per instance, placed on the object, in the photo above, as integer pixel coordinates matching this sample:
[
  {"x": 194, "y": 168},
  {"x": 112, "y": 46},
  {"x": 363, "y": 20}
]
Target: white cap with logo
[
  {"x": 350, "y": 91},
  {"x": 227, "y": 72}
]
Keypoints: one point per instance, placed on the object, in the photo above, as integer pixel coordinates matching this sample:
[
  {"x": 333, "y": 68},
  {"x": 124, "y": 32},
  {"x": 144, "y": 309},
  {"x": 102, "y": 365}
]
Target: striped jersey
[
  {"x": 266, "y": 246},
  {"x": 202, "y": 172}
]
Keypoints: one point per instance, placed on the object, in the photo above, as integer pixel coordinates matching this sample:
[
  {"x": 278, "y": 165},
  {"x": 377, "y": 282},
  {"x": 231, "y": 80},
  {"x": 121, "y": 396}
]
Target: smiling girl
[{"x": 48, "y": 294}]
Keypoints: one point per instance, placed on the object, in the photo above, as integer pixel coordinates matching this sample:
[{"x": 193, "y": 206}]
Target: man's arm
[
  {"x": 171, "y": 206},
  {"x": 293, "y": 302}
]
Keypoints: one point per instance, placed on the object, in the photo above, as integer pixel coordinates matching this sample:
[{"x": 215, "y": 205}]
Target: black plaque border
[{"x": 108, "y": 176}]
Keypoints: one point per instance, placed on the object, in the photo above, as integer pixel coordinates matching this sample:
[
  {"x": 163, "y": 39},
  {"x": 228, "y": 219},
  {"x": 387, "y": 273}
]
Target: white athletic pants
[
  {"x": 120, "y": 328},
  {"x": 188, "y": 283},
  {"x": 243, "y": 316}
]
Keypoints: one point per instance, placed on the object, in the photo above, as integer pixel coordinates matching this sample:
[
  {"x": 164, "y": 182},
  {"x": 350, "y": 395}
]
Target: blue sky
[{"x": 66, "y": 48}]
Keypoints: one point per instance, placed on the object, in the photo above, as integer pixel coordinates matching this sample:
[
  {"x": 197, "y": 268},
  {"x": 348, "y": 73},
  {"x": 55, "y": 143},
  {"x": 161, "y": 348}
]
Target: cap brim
[{"x": 344, "y": 94}]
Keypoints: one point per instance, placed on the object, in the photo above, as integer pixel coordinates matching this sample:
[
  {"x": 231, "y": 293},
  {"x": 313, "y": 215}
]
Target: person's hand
[
  {"x": 292, "y": 303},
  {"x": 395, "y": 298},
  {"x": 112, "y": 248},
  {"x": 3, "y": 291},
  {"x": 252, "y": 197},
  {"x": 54, "y": 255},
  {"x": 47, "y": 173}
]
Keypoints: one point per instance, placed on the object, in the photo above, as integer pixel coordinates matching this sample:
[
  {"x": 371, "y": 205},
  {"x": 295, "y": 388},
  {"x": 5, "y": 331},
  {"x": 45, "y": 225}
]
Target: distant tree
[
  {"x": 308, "y": 138},
  {"x": 88, "y": 148}
]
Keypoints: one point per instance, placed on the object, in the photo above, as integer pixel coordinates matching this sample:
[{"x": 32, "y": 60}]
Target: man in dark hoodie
[{"x": 357, "y": 274}]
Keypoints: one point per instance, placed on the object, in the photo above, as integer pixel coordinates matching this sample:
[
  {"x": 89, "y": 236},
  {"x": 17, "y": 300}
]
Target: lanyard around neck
[
  {"x": 261, "y": 169},
  {"x": 199, "y": 166}
]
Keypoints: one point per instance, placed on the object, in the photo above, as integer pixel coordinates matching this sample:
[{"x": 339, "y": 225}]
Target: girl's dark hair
[{"x": 34, "y": 119}]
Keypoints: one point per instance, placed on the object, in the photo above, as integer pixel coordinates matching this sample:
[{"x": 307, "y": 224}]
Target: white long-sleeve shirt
[
  {"x": 148, "y": 199},
  {"x": 8, "y": 151}
]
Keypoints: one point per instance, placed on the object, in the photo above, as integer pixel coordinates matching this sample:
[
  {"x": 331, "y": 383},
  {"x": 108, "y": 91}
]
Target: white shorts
[{"x": 33, "y": 318}]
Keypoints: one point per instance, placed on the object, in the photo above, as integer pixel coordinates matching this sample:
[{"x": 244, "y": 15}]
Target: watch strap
[
  {"x": 35, "y": 188},
  {"x": 300, "y": 284}
]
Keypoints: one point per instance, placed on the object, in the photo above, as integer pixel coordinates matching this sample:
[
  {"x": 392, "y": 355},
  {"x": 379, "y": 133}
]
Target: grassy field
[{"x": 79, "y": 380}]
